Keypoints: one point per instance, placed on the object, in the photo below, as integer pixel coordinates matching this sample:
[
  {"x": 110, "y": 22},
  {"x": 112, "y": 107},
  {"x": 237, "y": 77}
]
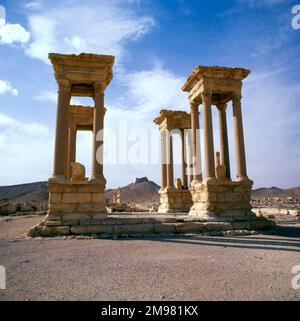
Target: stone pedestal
[
  {"x": 221, "y": 200},
  {"x": 174, "y": 200},
  {"x": 72, "y": 204}
]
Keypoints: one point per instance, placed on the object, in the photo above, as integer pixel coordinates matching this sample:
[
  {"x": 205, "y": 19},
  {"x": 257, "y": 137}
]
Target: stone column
[
  {"x": 99, "y": 111},
  {"x": 196, "y": 163},
  {"x": 163, "y": 159},
  {"x": 183, "y": 161},
  {"x": 66, "y": 170},
  {"x": 208, "y": 136},
  {"x": 72, "y": 148},
  {"x": 241, "y": 169},
  {"x": 61, "y": 141},
  {"x": 190, "y": 153},
  {"x": 224, "y": 150},
  {"x": 170, "y": 176}
]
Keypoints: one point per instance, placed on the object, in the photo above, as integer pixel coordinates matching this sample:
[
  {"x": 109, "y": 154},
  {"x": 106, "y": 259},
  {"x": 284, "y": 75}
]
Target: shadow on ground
[{"x": 288, "y": 239}]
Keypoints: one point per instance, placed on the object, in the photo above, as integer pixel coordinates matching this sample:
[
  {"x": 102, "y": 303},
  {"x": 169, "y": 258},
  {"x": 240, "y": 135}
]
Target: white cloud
[
  {"x": 6, "y": 87},
  {"x": 85, "y": 27},
  {"x": 51, "y": 96},
  {"x": 11, "y": 33},
  {"x": 46, "y": 95},
  {"x": 33, "y": 5},
  {"x": 149, "y": 91},
  {"x": 26, "y": 151},
  {"x": 2, "y": 16}
]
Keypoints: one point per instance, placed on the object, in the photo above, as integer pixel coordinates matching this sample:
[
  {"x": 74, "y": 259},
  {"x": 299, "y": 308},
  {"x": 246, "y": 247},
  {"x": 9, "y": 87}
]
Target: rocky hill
[
  {"x": 24, "y": 193},
  {"x": 141, "y": 191},
  {"x": 276, "y": 192}
]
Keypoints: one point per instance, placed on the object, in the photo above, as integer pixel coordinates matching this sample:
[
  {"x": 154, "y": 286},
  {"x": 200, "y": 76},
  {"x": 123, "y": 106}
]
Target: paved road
[{"x": 182, "y": 268}]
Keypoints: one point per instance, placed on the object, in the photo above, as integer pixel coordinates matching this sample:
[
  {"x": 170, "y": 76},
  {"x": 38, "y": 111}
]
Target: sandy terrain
[{"x": 174, "y": 268}]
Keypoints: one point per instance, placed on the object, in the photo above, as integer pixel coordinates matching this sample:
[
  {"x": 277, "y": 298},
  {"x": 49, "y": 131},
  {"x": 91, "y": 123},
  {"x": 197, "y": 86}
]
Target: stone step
[{"x": 155, "y": 227}]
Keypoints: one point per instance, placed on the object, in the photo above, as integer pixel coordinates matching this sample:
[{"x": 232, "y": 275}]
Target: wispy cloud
[
  {"x": 148, "y": 91},
  {"x": 24, "y": 149},
  {"x": 6, "y": 87},
  {"x": 33, "y": 5},
  {"x": 99, "y": 29}
]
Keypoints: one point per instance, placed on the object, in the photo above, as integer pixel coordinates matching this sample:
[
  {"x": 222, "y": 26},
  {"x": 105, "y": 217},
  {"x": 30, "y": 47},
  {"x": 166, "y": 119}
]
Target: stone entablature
[
  {"x": 81, "y": 117},
  {"x": 82, "y": 71},
  {"x": 222, "y": 82},
  {"x": 173, "y": 119}
]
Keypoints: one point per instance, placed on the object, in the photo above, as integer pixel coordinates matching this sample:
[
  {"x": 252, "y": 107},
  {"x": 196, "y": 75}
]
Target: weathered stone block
[
  {"x": 53, "y": 223},
  {"x": 189, "y": 227},
  {"x": 72, "y": 198},
  {"x": 75, "y": 216},
  {"x": 51, "y": 217},
  {"x": 47, "y": 231},
  {"x": 165, "y": 227},
  {"x": 133, "y": 228},
  {"x": 79, "y": 229},
  {"x": 101, "y": 216},
  {"x": 97, "y": 198},
  {"x": 55, "y": 197},
  {"x": 62, "y": 230},
  {"x": 62, "y": 208}
]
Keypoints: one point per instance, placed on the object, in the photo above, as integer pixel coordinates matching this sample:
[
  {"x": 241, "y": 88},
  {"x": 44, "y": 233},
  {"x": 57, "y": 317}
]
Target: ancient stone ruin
[
  {"x": 72, "y": 196},
  {"x": 215, "y": 202},
  {"x": 218, "y": 196},
  {"x": 174, "y": 198}
]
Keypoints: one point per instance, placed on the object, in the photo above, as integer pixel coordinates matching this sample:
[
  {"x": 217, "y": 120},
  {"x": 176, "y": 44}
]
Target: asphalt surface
[{"x": 256, "y": 267}]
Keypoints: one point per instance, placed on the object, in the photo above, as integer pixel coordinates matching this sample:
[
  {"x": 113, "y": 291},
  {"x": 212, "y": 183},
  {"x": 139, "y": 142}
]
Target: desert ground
[{"x": 256, "y": 267}]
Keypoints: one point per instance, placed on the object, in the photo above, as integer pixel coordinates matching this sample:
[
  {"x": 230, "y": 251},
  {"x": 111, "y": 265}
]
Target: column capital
[
  {"x": 102, "y": 111},
  {"x": 73, "y": 126},
  {"x": 236, "y": 98},
  {"x": 206, "y": 96},
  {"x": 98, "y": 88},
  {"x": 194, "y": 106},
  {"x": 64, "y": 84},
  {"x": 222, "y": 107}
]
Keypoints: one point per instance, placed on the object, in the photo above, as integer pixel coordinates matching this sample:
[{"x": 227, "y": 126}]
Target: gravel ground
[{"x": 175, "y": 268}]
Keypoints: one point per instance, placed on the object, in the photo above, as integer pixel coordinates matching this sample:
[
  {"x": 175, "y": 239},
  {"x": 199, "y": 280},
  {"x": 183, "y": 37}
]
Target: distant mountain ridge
[
  {"x": 276, "y": 192},
  {"x": 141, "y": 191},
  {"x": 23, "y": 193}
]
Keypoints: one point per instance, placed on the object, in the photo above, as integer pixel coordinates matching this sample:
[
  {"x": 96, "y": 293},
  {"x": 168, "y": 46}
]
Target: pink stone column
[
  {"x": 208, "y": 136},
  {"x": 196, "y": 163},
  {"x": 98, "y": 126},
  {"x": 61, "y": 134},
  {"x": 163, "y": 159},
  {"x": 190, "y": 153},
  {"x": 241, "y": 169},
  {"x": 72, "y": 148},
  {"x": 170, "y": 175},
  {"x": 224, "y": 149},
  {"x": 183, "y": 161}
]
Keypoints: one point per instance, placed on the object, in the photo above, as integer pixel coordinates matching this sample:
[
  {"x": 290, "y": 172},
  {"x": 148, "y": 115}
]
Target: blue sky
[{"x": 157, "y": 44}]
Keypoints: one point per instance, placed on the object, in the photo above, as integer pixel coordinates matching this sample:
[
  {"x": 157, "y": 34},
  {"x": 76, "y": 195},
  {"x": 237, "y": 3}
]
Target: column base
[
  {"x": 74, "y": 203},
  {"x": 59, "y": 179},
  {"x": 173, "y": 200},
  {"x": 218, "y": 200}
]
